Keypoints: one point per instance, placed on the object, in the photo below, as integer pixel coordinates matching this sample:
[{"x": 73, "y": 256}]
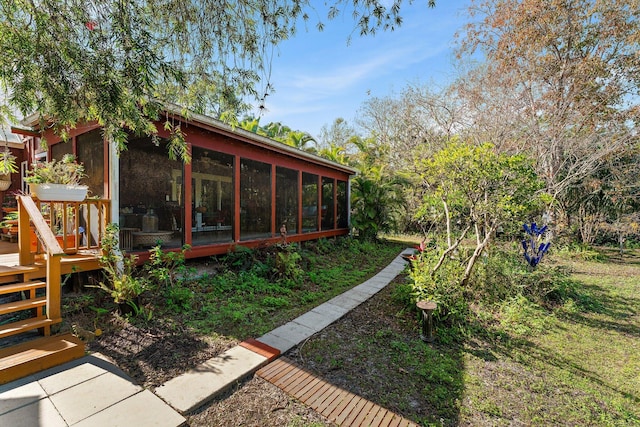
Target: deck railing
[
  {"x": 77, "y": 226},
  {"x": 38, "y": 224}
]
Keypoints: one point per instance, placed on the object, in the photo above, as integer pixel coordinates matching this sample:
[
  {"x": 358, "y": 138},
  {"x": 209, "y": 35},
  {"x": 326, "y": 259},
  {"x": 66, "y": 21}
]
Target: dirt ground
[{"x": 152, "y": 355}]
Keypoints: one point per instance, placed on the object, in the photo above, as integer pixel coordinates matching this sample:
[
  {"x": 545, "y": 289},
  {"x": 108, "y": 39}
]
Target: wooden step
[
  {"x": 37, "y": 355},
  {"x": 26, "y": 325},
  {"x": 24, "y": 286},
  {"x": 12, "y": 307},
  {"x": 9, "y": 274}
]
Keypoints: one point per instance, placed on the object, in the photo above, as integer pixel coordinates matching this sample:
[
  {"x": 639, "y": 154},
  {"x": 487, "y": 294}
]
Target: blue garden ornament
[{"x": 534, "y": 247}]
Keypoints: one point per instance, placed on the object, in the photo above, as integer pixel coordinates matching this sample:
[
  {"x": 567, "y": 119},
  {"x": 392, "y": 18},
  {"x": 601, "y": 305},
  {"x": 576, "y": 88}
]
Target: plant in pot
[
  {"x": 8, "y": 166},
  {"x": 57, "y": 180},
  {"x": 9, "y": 223},
  {"x": 120, "y": 279}
]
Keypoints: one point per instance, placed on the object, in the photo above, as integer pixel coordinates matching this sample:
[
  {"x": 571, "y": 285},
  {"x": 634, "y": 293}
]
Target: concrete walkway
[
  {"x": 93, "y": 392},
  {"x": 198, "y": 386}
]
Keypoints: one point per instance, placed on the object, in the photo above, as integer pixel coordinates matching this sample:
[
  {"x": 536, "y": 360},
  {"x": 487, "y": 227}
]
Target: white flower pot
[{"x": 59, "y": 192}]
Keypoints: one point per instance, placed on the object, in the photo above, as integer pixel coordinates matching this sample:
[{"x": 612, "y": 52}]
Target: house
[{"x": 239, "y": 189}]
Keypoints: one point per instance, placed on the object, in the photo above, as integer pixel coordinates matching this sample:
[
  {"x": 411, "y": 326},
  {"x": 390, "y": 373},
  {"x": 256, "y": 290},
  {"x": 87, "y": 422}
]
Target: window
[
  {"x": 90, "y": 149},
  {"x": 343, "y": 208},
  {"x": 309, "y": 202},
  {"x": 255, "y": 199},
  {"x": 287, "y": 199},
  {"x": 212, "y": 197},
  {"x": 328, "y": 208}
]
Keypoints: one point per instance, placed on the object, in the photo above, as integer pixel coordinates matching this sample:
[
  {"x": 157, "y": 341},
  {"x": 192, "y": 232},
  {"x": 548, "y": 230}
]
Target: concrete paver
[
  {"x": 197, "y": 386},
  {"x": 87, "y": 398},
  {"x": 41, "y": 413},
  {"x": 278, "y": 342},
  {"x": 20, "y": 393},
  {"x": 142, "y": 409}
]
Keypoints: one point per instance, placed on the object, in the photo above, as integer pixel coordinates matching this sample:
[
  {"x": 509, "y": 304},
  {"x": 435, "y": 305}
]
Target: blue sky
[{"x": 318, "y": 77}]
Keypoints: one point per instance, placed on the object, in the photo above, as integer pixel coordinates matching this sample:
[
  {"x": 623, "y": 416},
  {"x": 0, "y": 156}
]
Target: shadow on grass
[{"x": 375, "y": 352}]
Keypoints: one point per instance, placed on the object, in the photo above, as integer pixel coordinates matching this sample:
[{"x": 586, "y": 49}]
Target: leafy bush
[
  {"x": 441, "y": 287},
  {"x": 287, "y": 263}
]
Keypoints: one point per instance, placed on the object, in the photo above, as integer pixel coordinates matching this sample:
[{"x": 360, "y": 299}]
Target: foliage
[
  {"x": 377, "y": 199},
  {"x": 109, "y": 61},
  {"x": 166, "y": 269},
  {"x": 121, "y": 281},
  {"x": 559, "y": 83},
  {"x": 244, "y": 299},
  {"x": 66, "y": 171},
  {"x": 7, "y": 162},
  {"x": 479, "y": 190},
  {"x": 287, "y": 262}
]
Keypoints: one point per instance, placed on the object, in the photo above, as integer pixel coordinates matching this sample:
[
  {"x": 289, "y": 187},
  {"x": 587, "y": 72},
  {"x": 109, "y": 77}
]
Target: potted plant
[
  {"x": 8, "y": 166},
  {"x": 9, "y": 224},
  {"x": 57, "y": 180}
]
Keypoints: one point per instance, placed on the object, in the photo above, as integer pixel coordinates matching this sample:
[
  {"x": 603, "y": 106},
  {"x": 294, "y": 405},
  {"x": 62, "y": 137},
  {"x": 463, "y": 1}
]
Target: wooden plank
[
  {"x": 294, "y": 379},
  {"x": 332, "y": 394},
  {"x": 340, "y": 408},
  {"x": 12, "y": 307},
  {"x": 24, "y": 286},
  {"x": 389, "y": 419},
  {"x": 339, "y": 398},
  {"x": 271, "y": 374},
  {"x": 268, "y": 370},
  {"x": 36, "y": 355},
  {"x": 375, "y": 416},
  {"x": 302, "y": 394},
  {"x": 283, "y": 375},
  {"x": 24, "y": 326},
  {"x": 303, "y": 380},
  {"x": 320, "y": 395},
  {"x": 312, "y": 393},
  {"x": 356, "y": 419},
  {"x": 354, "y": 406}
]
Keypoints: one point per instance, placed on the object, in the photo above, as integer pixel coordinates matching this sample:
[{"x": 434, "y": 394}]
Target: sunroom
[{"x": 238, "y": 189}]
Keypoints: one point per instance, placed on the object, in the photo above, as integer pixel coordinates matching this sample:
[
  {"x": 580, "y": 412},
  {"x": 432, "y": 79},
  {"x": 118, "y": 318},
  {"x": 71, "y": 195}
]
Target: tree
[
  {"x": 571, "y": 70},
  {"x": 109, "y": 60},
  {"x": 481, "y": 189}
]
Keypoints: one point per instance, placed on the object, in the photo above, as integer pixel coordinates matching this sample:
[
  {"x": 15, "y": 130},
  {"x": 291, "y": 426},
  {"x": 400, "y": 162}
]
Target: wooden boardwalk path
[{"x": 337, "y": 405}]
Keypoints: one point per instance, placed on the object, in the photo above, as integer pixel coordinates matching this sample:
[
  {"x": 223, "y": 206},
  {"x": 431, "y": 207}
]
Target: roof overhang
[{"x": 209, "y": 123}]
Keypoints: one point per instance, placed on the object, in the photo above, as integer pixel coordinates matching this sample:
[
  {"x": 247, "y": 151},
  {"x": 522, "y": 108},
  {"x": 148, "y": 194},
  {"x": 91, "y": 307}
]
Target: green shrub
[
  {"x": 442, "y": 287},
  {"x": 287, "y": 263},
  {"x": 178, "y": 299}
]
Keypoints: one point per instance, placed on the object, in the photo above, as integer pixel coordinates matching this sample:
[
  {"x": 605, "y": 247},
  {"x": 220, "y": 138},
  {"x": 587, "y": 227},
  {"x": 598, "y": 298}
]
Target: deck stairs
[
  {"x": 23, "y": 305},
  {"x": 31, "y": 289}
]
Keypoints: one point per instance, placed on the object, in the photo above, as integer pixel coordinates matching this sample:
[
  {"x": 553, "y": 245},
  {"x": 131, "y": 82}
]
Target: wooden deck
[{"x": 337, "y": 405}]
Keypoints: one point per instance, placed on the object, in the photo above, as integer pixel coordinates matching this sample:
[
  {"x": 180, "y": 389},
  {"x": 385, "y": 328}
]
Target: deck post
[
  {"x": 54, "y": 289},
  {"x": 25, "y": 257}
]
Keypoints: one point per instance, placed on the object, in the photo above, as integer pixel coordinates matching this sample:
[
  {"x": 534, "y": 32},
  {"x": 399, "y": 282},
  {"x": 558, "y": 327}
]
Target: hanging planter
[{"x": 5, "y": 182}]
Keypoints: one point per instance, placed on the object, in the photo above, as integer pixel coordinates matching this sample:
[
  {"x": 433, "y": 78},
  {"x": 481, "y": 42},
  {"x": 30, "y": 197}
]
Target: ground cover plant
[
  {"x": 563, "y": 352},
  {"x": 193, "y": 310},
  {"x": 566, "y": 356}
]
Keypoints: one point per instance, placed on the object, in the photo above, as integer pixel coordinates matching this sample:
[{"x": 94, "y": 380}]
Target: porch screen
[
  {"x": 212, "y": 197},
  {"x": 309, "y": 202},
  {"x": 343, "y": 207},
  {"x": 255, "y": 199},
  {"x": 328, "y": 205},
  {"x": 287, "y": 199}
]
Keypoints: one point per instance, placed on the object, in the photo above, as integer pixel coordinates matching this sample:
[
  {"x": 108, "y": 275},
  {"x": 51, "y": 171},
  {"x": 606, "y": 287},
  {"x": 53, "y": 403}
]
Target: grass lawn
[{"x": 577, "y": 363}]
